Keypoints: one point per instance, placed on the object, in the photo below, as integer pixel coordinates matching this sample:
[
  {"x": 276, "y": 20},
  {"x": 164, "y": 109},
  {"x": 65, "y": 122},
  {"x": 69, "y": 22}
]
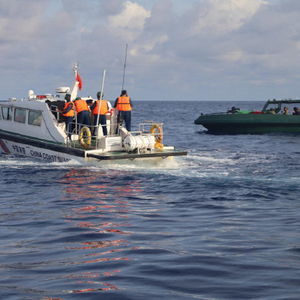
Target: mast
[
  {"x": 75, "y": 87},
  {"x": 101, "y": 97},
  {"x": 124, "y": 69}
]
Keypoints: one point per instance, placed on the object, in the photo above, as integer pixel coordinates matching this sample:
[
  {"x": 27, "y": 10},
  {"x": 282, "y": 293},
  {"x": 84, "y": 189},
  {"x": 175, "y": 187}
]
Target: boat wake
[
  {"x": 205, "y": 165},
  {"x": 20, "y": 162}
]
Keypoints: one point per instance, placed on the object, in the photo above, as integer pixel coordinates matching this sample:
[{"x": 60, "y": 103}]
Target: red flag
[{"x": 79, "y": 80}]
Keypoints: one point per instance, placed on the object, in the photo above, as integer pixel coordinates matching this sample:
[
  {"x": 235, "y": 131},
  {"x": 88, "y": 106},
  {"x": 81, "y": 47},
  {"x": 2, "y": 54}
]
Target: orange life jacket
[
  {"x": 123, "y": 104},
  {"x": 71, "y": 112},
  {"x": 103, "y": 109},
  {"x": 81, "y": 105}
]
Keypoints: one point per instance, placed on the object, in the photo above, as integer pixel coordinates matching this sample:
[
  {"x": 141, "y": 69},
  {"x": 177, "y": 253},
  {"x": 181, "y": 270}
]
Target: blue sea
[{"x": 221, "y": 223}]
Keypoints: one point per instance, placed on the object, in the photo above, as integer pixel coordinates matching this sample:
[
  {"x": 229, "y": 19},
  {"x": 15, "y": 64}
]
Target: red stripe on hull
[{"x": 4, "y": 147}]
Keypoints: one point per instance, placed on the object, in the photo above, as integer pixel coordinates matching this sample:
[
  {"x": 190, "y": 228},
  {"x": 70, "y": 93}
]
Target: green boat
[{"x": 282, "y": 116}]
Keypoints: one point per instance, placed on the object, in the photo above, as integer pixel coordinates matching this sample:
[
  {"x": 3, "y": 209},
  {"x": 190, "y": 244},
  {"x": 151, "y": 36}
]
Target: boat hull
[
  {"x": 21, "y": 149},
  {"x": 249, "y": 123},
  {"x": 52, "y": 152}
]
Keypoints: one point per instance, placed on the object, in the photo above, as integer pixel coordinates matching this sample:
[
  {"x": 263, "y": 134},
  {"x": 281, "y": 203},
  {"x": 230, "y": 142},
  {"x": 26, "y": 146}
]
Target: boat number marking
[
  {"x": 38, "y": 154},
  {"x": 19, "y": 149}
]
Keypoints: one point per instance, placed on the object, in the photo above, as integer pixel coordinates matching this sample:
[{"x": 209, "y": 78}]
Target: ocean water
[{"x": 221, "y": 223}]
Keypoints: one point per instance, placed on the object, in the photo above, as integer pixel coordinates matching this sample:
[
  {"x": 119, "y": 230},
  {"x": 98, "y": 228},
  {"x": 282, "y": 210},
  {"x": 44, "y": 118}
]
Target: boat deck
[{"x": 126, "y": 155}]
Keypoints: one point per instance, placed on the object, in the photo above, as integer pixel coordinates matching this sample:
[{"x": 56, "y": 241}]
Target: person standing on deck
[
  {"x": 68, "y": 112},
  {"x": 99, "y": 110},
  {"x": 83, "y": 112},
  {"x": 124, "y": 106}
]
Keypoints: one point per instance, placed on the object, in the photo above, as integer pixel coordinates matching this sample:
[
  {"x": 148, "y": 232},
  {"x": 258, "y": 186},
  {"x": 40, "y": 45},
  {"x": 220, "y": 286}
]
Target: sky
[{"x": 241, "y": 50}]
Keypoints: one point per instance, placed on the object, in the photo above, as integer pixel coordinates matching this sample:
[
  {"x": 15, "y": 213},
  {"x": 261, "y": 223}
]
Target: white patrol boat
[{"x": 34, "y": 127}]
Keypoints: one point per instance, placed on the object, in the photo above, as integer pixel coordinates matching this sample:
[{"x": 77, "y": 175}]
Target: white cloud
[
  {"x": 130, "y": 20},
  {"x": 219, "y": 16},
  {"x": 217, "y": 45}
]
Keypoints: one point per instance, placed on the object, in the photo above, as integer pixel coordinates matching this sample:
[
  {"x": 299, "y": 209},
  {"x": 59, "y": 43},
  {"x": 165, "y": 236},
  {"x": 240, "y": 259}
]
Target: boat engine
[{"x": 139, "y": 142}]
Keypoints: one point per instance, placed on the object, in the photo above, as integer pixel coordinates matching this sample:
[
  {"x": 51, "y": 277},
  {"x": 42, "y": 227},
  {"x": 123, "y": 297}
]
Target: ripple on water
[{"x": 221, "y": 223}]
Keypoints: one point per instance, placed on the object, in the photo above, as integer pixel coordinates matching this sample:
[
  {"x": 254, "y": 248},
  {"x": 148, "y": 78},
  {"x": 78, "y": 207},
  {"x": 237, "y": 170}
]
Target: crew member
[
  {"x": 99, "y": 110},
  {"x": 68, "y": 112},
  {"x": 124, "y": 107},
  {"x": 285, "y": 111},
  {"x": 83, "y": 112},
  {"x": 296, "y": 111}
]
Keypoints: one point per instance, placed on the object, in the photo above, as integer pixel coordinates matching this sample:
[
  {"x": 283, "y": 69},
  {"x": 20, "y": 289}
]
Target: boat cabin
[{"x": 281, "y": 106}]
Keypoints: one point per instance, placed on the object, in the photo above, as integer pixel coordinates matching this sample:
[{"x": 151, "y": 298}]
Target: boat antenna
[
  {"x": 101, "y": 97},
  {"x": 102, "y": 85},
  {"x": 124, "y": 69}
]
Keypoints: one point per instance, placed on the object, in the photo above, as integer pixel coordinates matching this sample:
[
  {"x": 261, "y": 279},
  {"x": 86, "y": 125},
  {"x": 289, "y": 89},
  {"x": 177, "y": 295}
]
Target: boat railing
[
  {"x": 277, "y": 104},
  {"x": 94, "y": 134},
  {"x": 56, "y": 110},
  {"x": 96, "y": 130},
  {"x": 87, "y": 136}
]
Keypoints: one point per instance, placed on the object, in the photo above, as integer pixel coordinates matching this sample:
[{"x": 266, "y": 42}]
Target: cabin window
[
  {"x": 6, "y": 112},
  {"x": 20, "y": 115},
  {"x": 35, "y": 117}
]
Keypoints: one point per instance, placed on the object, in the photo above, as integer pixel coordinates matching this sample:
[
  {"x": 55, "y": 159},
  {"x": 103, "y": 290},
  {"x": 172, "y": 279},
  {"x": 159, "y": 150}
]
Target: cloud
[
  {"x": 221, "y": 16},
  {"x": 132, "y": 17},
  {"x": 214, "y": 46}
]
